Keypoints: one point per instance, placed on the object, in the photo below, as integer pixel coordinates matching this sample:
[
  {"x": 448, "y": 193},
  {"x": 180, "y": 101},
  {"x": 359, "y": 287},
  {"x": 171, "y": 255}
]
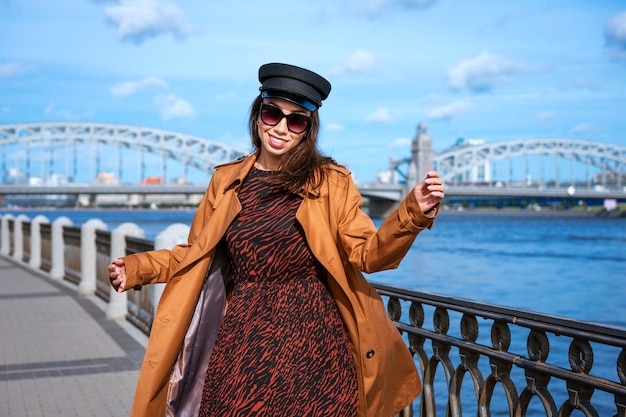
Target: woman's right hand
[{"x": 117, "y": 274}]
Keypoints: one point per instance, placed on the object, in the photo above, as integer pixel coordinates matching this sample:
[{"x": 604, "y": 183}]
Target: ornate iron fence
[{"x": 515, "y": 378}]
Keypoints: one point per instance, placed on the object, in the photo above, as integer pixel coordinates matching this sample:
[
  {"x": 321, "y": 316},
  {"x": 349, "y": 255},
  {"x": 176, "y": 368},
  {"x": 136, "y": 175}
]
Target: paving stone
[{"x": 59, "y": 354}]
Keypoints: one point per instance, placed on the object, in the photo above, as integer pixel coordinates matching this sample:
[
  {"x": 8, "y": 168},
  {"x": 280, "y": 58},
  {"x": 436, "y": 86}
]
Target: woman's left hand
[{"x": 429, "y": 192}]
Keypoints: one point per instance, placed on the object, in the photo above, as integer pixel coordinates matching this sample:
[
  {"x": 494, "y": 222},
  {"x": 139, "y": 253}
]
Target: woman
[{"x": 265, "y": 311}]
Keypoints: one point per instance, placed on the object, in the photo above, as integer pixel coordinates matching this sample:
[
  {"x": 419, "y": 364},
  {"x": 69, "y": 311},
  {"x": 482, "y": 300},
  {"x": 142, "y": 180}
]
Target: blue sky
[{"x": 492, "y": 70}]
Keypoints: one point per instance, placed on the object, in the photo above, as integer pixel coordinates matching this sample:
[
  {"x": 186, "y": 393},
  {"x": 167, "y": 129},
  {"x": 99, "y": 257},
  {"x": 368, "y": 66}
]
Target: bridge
[
  {"x": 522, "y": 168},
  {"x": 97, "y": 159},
  {"x": 64, "y": 151}
]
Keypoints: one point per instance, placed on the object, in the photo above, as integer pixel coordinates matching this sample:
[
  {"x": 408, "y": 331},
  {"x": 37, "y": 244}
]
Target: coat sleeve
[
  {"x": 157, "y": 266},
  {"x": 370, "y": 250}
]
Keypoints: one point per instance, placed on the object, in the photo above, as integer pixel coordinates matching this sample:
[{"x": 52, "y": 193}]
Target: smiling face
[{"x": 277, "y": 140}]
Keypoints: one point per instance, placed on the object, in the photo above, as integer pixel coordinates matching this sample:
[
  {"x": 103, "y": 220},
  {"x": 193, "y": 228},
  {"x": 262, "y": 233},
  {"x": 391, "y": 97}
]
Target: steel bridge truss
[
  {"x": 455, "y": 164},
  {"x": 458, "y": 164},
  {"x": 190, "y": 151}
]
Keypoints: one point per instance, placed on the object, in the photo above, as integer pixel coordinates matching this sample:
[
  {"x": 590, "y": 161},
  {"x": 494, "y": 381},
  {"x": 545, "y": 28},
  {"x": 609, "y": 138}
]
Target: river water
[{"x": 565, "y": 265}]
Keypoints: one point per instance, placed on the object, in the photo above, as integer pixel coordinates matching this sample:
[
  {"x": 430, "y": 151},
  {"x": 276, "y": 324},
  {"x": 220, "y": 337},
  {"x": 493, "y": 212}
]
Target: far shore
[
  {"x": 618, "y": 213},
  {"x": 613, "y": 214}
]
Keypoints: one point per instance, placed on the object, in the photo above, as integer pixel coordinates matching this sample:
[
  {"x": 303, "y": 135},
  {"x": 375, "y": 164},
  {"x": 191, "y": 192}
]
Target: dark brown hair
[{"x": 303, "y": 165}]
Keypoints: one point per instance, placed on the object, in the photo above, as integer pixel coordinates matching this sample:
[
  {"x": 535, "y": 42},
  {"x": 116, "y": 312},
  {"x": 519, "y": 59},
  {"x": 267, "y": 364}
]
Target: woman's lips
[{"x": 277, "y": 142}]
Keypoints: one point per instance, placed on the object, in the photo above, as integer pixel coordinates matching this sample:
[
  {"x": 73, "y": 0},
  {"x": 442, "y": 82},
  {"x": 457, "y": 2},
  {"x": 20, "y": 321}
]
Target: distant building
[
  {"x": 57, "y": 179},
  {"x": 421, "y": 155},
  {"x": 180, "y": 181},
  {"x": 14, "y": 176},
  {"x": 610, "y": 177},
  {"x": 106, "y": 178}
]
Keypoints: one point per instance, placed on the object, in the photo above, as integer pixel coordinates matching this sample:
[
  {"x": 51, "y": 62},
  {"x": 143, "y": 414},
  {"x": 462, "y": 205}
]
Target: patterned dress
[{"x": 282, "y": 349}]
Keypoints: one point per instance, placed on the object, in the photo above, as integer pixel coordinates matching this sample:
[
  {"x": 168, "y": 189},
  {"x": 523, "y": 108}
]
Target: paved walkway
[{"x": 59, "y": 355}]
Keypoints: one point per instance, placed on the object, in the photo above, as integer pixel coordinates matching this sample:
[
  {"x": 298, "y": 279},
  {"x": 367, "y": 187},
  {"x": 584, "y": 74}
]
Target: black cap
[{"x": 294, "y": 84}]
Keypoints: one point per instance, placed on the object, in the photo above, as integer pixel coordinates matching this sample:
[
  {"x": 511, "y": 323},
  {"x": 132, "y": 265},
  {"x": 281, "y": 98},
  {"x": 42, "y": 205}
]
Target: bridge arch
[
  {"x": 188, "y": 150},
  {"x": 471, "y": 163}
]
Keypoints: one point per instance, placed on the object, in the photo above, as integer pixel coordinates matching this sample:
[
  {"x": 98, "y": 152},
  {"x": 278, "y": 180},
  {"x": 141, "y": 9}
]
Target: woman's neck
[{"x": 266, "y": 165}]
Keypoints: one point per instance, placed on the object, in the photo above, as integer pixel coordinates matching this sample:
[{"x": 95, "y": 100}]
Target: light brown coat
[{"x": 341, "y": 236}]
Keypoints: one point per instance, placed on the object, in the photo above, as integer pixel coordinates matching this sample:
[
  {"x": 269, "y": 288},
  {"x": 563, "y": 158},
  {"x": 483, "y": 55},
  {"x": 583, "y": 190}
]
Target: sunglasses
[{"x": 296, "y": 122}]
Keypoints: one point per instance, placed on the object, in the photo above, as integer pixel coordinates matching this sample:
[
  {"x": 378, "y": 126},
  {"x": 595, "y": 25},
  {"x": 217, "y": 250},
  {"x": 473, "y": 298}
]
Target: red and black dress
[{"x": 282, "y": 349}]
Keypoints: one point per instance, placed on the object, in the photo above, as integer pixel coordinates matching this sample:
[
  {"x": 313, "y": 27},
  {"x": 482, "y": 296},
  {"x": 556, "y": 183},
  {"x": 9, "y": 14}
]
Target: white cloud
[
  {"x": 370, "y": 8},
  {"x": 359, "y": 61},
  {"x": 449, "y": 111},
  {"x": 585, "y": 84},
  {"x": 63, "y": 114},
  {"x": 49, "y": 109},
  {"x": 12, "y": 69},
  {"x": 584, "y": 128},
  {"x": 128, "y": 88},
  {"x": 546, "y": 116},
  {"x": 615, "y": 35},
  {"x": 483, "y": 72},
  {"x": 174, "y": 107},
  {"x": 381, "y": 115},
  {"x": 138, "y": 20},
  {"x": 334, "y": 127},
  {"x": 376, "y": 7}
]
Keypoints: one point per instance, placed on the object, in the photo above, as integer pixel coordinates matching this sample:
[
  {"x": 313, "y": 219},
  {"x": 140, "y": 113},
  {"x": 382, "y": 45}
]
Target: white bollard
[
  {"x": 57, "y": 272},
  {"x": 87, "y": 285},
  {"x": 5, "y": 243},
  {"x": 18, "y": 235},
  {"x": 35, "y": 241},
  {"x": 171, "y": 236},
  {"x": 117, "y": 308}
]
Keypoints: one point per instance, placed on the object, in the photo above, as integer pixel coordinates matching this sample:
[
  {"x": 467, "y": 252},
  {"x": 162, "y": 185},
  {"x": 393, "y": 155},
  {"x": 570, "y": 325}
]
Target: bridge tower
[
  {"x": 420, "y": 162},
  {"x": 421, "y": 156}
]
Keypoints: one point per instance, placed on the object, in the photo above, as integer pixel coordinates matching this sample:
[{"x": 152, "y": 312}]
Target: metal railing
[
  {"x": 103, "y": 258},
  {"x": 10, "y": 235},
  {"x": 141, "y": 305},
  {"x": 475, "y": 359},
  {"x": 26, "y": 242},
  {"x": 516, "y": 378},
  {"x": 72, "y": 244},
  {"x": 46, "y": 247}
]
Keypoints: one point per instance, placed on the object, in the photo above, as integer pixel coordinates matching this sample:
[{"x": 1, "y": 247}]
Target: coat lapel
[{"x": 224, "y": 209}]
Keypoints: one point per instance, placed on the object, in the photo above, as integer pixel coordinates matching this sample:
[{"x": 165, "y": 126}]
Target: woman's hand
[
  {"x": 429, "y": 192},
  {"x": 117, "y": 274}
]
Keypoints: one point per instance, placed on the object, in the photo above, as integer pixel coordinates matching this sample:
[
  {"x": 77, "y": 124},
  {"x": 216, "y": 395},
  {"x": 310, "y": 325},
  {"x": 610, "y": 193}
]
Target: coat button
[{"x": 369, "y": 354}]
